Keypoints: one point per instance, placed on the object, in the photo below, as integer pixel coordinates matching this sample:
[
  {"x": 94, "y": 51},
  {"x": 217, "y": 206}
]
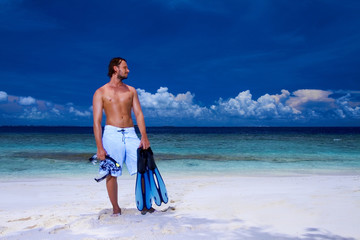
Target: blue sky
[{"x": 194, "y": 63}]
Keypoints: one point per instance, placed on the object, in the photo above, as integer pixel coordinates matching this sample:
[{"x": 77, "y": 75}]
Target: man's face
[{"x": 123, "y": 70}]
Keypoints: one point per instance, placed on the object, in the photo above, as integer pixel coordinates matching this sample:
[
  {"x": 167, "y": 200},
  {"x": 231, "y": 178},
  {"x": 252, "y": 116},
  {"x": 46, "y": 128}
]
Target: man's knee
[{"x": 110, "y": 178}]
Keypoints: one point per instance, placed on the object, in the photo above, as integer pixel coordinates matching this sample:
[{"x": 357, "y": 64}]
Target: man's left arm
[{"x": 144, "y": 143}]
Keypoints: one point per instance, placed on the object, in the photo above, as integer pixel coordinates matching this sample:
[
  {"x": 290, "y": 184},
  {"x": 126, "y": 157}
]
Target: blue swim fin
[
  {"x": 140, "y": 178},
  {"x": 148, "y": 201},
  {"x": 154, "y": 189},
  {"x": 142, "y": 186},
  {"x": 158, "y": 188},
  {"x": 139, "y": 192}
]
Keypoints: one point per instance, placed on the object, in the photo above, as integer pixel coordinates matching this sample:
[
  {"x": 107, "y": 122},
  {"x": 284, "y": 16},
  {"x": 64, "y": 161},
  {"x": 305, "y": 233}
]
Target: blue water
[{"x": 64, "y": 151}]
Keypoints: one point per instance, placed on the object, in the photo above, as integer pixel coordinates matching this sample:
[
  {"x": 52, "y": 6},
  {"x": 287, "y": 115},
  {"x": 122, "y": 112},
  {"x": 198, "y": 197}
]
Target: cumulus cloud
[
  {"x": 266, "y": 106},
  {"x": 56, "y": 111},
  {"x": 305, "y": 97},
  {"x": 165, "y": 104},
  {"x": 3, "y": 96},
  {"x": 79, "y": 113},
  {"x": 31, "y": 109},
  {"x": 164, "y": 107},
  {"x": 347, "y": 108},
  {"x": 280, "y": 98},
  {"x": 301, "y": 105},
  {"x": 33, "y": 114},
  {"x": 26, "y": 101}
]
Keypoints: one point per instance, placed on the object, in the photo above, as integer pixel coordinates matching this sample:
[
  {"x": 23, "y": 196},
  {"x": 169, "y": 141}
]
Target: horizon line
[{"x": 298, "y": 126}]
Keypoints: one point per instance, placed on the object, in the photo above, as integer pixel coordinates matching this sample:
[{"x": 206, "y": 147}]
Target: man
[{"x": 119, "y": 140}]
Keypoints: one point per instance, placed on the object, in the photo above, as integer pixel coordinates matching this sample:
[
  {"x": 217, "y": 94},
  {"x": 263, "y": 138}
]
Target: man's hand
[
  {"x": 144, "y": 143},
  {"x": 101, "y": 153}
]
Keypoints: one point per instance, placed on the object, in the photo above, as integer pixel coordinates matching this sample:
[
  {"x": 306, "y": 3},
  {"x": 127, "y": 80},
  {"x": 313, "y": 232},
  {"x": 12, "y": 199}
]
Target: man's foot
[
  {"x": 145, "y": 211},
  {"x": 116, "y": 212}
]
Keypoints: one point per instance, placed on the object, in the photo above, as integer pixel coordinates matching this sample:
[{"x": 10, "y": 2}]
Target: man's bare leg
[{"x": 112, "y": 188}]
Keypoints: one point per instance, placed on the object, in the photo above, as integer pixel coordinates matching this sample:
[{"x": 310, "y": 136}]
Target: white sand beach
[{"x": 200, "y": 207}]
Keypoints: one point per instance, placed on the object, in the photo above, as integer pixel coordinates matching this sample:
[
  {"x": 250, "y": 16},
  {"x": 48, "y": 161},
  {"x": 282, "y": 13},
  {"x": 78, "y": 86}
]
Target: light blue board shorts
[{"x": 121, "y": 144}]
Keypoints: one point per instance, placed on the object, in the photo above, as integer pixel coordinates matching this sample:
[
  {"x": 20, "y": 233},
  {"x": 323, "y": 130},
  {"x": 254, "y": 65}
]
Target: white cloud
[
  {"x": 29, "y": 109},
  {"x": 56, "y": 111},
  {"x": 79, "y": 113},
  {"x": 266, "y": 106},
  {"x": 345, "y": 109},
  {"x": 303, "y": 104},
  {"x": 27, "y": 101},
  {"x": 3, "y": 96},
  {"x": 163, "y": 107},
  {"x": 302, "y": 98},
  {"x": 33, "y": 114},
  {"x": 165, "y": 104},
  {"x": 282, "y": 97}
]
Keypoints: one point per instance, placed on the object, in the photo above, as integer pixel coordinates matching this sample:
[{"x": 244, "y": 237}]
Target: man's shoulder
[
  {"x": 102, "y": 88},
  {"x": 131, "y": 88},
  {"x": 100, "y": 91}
]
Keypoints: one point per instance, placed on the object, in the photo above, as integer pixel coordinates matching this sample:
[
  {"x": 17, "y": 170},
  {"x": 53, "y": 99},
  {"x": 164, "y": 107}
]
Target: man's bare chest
[{"x": 118, "y": 97}]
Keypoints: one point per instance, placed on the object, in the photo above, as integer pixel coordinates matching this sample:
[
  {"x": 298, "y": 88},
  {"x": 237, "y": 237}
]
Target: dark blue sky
[{"x": 194, "y": 62}]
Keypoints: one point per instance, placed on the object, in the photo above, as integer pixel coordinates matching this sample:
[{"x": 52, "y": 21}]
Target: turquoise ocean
[{"x": 33, "y": 152}]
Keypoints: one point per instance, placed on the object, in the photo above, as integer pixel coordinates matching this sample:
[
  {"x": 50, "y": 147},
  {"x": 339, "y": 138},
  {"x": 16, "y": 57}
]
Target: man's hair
[{"x": 114, "y": 62}]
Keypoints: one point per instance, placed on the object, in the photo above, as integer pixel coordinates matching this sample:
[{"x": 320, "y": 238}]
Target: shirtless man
[{"x": 119, "y": 140}]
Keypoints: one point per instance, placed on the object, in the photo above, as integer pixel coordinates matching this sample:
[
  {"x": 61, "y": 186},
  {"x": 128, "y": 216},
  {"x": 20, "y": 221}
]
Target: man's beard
[{"x": 120, "y": 77}]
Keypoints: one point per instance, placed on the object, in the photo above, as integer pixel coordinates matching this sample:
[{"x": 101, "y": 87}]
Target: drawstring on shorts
[{"x": 123, "y": 133}]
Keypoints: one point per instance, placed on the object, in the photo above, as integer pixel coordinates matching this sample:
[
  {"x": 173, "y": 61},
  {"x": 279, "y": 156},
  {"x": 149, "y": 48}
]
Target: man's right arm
[{"x": 97, "y": 115}]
